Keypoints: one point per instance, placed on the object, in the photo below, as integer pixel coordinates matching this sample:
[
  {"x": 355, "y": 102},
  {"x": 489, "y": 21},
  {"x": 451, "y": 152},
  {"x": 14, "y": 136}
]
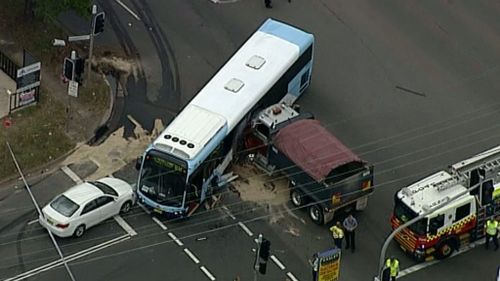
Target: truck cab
[{"x": 324, "y": 174}]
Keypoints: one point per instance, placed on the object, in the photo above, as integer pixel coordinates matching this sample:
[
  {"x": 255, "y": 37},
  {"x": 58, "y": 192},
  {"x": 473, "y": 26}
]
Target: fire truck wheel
[
  {"x": 445, "y": 248},
  {"x": 316, "y": 214},
  {"x": 297, "y": 197}
]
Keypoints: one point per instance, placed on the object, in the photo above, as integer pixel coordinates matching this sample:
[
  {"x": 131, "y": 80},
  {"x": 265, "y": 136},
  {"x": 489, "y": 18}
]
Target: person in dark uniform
[{"x": 268, "y": 4}]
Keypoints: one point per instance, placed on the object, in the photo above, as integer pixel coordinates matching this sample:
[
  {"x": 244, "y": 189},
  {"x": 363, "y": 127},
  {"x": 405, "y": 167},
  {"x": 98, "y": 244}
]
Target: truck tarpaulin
[{"x": 313, "y": 148}]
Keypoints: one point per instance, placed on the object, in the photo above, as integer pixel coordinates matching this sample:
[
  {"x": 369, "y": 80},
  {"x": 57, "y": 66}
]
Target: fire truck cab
[{"x": 460, "y": 221}]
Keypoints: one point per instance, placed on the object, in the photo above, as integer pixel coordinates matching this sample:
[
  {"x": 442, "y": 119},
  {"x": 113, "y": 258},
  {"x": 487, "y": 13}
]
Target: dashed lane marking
[
  {"x": 228, "y": 212},
  {"x": 277, "y": 262},
  {"x": 158, "y": 222},
  {"x": 71, "y": 174},
  {"x": 207, "y": 273},
  {"x": 125, "y": 225},
  {"x": 175, "y": 239},
  {"x": 291, "y": 276},
  {"x": 191, "y": 255},
  {"x": 245, "y": 228}
]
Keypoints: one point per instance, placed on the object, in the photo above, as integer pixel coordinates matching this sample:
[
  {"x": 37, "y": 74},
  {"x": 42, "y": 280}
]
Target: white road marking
[
  {"x": 158, "y": 222},
  {"x": 191, "y": 255},
  {"x": 291, "y": 276},
  {"x": 277, "y": 262},
  {"x": 144, "y": 208},
  {"x": 228, "y": 212},
  {"x": 125, "y": 225},
  {"x": 207, "y": 273},
  {"x": 69, "y": 258},
  {"x": 71, "y": 174},
  {"x": 175, "y": 239},
  {"x": 128, "y": 10},
  {"x": 423, "y": 265},
  {"x": 32, "y": 222},
  {"x": 245, "y": 228}
]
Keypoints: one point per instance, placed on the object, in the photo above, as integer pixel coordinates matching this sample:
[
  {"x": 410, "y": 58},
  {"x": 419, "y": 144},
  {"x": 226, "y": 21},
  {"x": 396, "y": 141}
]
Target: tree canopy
[{"x": 49, "y": 9}]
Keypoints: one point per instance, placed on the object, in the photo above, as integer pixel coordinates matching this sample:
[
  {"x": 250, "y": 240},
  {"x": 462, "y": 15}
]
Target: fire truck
[
  {"x": 325, "y": 176},
  {"x": 459, "y": 222}
]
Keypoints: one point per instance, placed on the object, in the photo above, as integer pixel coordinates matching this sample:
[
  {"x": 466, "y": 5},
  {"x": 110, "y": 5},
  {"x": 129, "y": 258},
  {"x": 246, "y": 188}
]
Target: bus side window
[{"x": 435, "y": 223}]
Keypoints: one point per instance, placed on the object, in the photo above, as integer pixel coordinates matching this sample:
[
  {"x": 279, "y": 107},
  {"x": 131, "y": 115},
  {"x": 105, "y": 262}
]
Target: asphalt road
[{"x": 411, "y": 86}]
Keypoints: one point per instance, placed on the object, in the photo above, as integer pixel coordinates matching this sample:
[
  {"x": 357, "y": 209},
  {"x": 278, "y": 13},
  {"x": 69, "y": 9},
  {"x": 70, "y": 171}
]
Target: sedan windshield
[
  {"x": 106, "y": 189},
  {"x": 64, "y": 206}
]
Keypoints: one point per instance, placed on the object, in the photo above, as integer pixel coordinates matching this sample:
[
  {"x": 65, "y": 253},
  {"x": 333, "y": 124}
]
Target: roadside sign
[
  {"x": 28, "y": 76},
  {"x": 73, "y": 88},
  {"x": 79, "y": 38},
  {"x": 329, "y": 265}
]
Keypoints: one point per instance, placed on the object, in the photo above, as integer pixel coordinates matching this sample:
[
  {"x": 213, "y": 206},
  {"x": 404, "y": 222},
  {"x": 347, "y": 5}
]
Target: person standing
[
  {"x": 491, "y": 232},
  {"x": 350, "y": 225},
  {"x": 268, "y": 4},
  {"x": 338, "y": 234},
  {"x": 391, "y": 267},
  {"x": 315, "y": 266}
]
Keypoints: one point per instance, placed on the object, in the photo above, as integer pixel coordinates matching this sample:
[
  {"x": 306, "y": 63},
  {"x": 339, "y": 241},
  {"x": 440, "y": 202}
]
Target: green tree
[{"x": 48, "y": 10}]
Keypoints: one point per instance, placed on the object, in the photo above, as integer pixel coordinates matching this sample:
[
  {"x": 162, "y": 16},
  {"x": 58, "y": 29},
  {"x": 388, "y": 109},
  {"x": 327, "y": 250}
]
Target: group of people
[{"x": 347, "y": 230}]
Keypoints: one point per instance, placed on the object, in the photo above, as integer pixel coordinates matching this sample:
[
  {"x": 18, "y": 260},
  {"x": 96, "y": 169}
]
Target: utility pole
[
  {"x": 257, "y": 254},
  {"x": 410, "y": 222},
  {"x": 91, "y": 45}
]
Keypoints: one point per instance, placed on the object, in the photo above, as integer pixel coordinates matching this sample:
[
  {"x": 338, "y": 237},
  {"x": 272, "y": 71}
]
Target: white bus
[{"x": 184, "y": 165}]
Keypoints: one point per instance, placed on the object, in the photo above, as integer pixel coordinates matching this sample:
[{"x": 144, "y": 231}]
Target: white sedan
[{"x": 85, "y": 205}]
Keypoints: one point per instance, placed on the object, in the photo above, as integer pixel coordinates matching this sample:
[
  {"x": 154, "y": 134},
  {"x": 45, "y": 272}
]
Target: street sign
[
  {"x": 29, "y": 69},
  {"x": 78, "y": 38},
  {"x": 329, "y": 265},
  {"x": 73, "y": 88}
]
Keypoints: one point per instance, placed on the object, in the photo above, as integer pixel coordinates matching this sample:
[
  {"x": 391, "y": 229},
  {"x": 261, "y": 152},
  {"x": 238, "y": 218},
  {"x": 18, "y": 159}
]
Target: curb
[{"x": 51, "y": 166}]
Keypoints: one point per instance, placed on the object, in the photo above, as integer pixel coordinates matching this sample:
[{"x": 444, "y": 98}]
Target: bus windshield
[
  {"x": 163, "y": 179},
  {"x": 403, "y": 213}
]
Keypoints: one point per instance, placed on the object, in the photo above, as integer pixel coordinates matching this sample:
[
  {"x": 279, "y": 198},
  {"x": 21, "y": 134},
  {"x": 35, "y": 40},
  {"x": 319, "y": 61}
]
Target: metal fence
[{"x": 8, "y": 66}]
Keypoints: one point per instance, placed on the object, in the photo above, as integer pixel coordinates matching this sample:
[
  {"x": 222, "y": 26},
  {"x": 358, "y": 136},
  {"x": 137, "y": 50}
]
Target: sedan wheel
[
  {"x": 125, "y": 207},
  {"x": 79, "y": 231}
]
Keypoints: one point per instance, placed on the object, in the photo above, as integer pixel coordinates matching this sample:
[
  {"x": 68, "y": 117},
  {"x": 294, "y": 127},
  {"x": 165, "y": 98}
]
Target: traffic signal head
[
  {"x": 99, "y": 23},
  {"x": 264, "y": 249},
  {"x": 69, "y": 69},
  {"x": 79, "y": 69},
  {"x": 264, "y": 255}
]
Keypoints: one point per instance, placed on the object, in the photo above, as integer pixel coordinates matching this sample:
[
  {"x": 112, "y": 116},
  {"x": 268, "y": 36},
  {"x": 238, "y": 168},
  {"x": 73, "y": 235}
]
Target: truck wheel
[
  {"x": 444, "y": 249},
  {"x": 297, "y": 197},
  {"x": 316, "y": 214}
]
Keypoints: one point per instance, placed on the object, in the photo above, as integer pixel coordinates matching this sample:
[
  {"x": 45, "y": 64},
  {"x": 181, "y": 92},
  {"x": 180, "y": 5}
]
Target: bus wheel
[
  {"x": 297, "y": 197},
  {"x": 316, "y": 214},
  {"x": 444, "y": 249}
]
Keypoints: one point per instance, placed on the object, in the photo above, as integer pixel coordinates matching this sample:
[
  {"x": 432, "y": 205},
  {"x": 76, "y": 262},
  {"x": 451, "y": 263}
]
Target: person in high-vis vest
[
  {"x": 391, "y": 269},
  {"x": 491, "y": 227},
  {"x": 338, "y": 234}
]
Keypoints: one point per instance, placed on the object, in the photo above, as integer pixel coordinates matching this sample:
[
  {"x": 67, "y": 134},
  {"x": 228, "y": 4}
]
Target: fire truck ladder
[{"x": 483, "y": 214}]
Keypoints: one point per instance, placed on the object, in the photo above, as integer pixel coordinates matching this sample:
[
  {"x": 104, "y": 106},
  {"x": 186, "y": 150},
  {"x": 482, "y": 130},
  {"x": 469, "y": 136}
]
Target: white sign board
[
  {"x": 28, "y": 69},
  {"x": 73, "y": 89}
]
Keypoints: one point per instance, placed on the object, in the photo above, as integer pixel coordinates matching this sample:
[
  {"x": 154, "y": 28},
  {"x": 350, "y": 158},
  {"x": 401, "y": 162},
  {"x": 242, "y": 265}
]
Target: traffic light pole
[
  {"x": 91, "y": 46},
  {"x": 257, "y": 255}
]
